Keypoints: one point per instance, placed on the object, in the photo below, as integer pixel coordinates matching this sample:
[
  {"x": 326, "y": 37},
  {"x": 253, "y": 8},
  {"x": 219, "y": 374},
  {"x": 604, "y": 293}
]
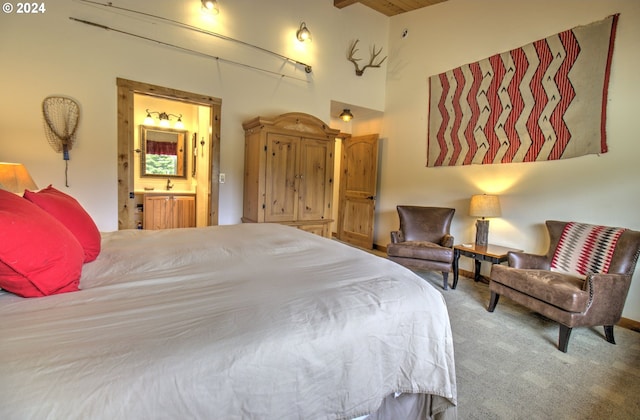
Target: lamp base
[{"x": 482, "y": 232}]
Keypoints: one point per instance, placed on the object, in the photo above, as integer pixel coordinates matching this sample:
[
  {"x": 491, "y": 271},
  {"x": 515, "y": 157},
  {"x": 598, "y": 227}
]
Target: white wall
[
  {"x": 50, "y": 54},
  {"x": 601, "y": 189}
]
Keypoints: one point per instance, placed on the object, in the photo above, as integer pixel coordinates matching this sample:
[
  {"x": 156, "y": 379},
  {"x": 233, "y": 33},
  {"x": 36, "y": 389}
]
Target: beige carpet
[{"x": 508, "y": 365}]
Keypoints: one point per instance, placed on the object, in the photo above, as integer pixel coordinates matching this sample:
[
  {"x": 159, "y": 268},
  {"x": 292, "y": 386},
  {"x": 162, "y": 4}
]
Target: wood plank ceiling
[{"x": 389, "y": 7}]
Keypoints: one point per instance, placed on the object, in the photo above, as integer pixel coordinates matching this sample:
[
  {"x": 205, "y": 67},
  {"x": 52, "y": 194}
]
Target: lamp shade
[
  {"x": 14, "y": 177},
  {"x": 484, "y": 205}
]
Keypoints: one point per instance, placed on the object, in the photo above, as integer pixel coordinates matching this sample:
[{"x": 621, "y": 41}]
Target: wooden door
[
  {"x": 281, "y": 196},
  {"x": 169, "y": 211},
  {"x": 184, "y": 211},
  {"x": 316, "y": 173},
  {"x": 158, "y": 212},
  {"x": 357, "y": 194}
]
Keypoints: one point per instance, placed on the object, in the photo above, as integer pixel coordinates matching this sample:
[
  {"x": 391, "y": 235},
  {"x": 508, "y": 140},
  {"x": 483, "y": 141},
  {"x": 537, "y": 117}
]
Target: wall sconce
[
  {"x": 484, "y": 205},
  {"x": 15, "y": 178},
  {"x": 164, "y": 119},
  {"x": 210, "y": 6},
  {"x": 303, "y": 33},
  {"x": 346, "y": 115}
]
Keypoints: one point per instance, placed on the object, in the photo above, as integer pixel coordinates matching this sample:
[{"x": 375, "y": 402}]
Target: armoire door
[
  {"x": 281, "y": 195},
  {"x": 316, "y": 173}
]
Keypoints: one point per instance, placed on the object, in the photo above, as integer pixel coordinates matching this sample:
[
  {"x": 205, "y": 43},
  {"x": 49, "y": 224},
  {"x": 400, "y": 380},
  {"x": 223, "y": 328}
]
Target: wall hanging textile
[{"x": 543, "y": 101}]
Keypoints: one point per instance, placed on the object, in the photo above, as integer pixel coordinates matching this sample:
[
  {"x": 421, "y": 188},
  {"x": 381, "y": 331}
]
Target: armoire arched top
[{"x": 294, "y": 121}]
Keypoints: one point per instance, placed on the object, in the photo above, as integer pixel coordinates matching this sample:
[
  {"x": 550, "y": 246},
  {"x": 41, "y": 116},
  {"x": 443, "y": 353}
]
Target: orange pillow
[
  {"x": 38, "y": 255},
  {"x": 71, "y": 214}
]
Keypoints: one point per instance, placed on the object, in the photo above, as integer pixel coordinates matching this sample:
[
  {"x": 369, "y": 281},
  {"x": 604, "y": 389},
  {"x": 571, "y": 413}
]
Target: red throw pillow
[
  {"x": 71, "y": 214},
  {"x": 38, "y": 255}
]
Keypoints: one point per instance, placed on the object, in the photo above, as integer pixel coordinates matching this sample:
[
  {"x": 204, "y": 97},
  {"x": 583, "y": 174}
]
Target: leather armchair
[
  {"x": 570, "y": 300},
  {"x": 423, "y": 241}
]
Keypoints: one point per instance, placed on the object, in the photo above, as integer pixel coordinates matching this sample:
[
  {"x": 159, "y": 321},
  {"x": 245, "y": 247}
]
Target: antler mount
[{"x": 374, "y": 55}]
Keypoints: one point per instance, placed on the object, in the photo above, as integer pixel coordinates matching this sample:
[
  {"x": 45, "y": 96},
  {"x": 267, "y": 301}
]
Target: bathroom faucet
[{"x": 169, "y": 184}]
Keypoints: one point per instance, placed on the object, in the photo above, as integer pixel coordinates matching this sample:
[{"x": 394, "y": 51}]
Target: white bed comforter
[{"x": 254, "y": 321}]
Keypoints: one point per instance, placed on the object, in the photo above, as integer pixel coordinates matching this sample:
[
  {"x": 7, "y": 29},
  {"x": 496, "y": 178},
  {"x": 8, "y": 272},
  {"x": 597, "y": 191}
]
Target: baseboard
[
  {"x": 380, "y": 248},
  {"x": 629, "y": 324},
  {"x": 471, "y": 275}
]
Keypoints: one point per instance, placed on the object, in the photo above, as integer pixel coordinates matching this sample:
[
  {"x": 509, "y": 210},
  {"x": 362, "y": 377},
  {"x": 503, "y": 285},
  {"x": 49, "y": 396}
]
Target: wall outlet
[{"x": 222, "y": 178}]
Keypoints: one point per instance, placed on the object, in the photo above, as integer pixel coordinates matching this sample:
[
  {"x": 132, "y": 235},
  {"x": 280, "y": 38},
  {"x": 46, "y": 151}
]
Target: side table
[{"x": 495, "y": 254}]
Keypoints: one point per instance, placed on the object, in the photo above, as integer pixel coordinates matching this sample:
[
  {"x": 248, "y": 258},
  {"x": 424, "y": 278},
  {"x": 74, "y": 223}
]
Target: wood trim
[
  {"x": 214, "y": 158},
  {"x": 292, "y": 122},
  {"x": 126, "y": 90},
  {"x": 389, "y": 7},
  {"x": 629, "y": 324},
  {"x": 168, "y": 93},
  {"x": 380, "y": 248},
  {"x": 126, "y": 212},
  {"x": 344, "y": 3}
]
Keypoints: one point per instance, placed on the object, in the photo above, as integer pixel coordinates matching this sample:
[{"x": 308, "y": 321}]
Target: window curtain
[{"x": 162, "y": 148}]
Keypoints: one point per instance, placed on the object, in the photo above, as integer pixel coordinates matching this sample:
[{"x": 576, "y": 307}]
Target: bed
[{"x": 248, "y": 321}]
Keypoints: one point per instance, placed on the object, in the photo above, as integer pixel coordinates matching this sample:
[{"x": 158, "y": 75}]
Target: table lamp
[
  {"x": 15, "y": 178},
  {"x": 484, "y": 205}
]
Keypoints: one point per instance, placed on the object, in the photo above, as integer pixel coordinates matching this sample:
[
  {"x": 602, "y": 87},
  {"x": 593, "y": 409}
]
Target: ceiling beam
[
  {"x": 389, "y": 7},
  {"x": 344, "y": 3}
]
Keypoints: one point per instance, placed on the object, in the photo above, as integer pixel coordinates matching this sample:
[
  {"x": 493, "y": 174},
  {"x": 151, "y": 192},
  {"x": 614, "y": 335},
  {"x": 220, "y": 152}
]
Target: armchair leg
[
  {"x": 445, "y": 280},
  {"x": 563, "y": 338},
  {"x": 608, "y": 332},
  {"x": 493, "y": 302}
]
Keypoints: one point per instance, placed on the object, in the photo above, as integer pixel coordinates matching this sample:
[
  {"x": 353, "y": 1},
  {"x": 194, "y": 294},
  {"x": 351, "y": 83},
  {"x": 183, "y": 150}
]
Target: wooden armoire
[{"x": 288, "y": 171}]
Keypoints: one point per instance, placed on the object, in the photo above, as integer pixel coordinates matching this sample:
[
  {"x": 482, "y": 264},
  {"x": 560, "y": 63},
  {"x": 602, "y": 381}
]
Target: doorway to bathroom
[{"x": 200, "y": 118}]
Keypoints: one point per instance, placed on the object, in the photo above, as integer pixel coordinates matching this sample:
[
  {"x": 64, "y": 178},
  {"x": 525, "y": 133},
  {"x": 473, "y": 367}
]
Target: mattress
[{"x": 250, "y": 321}]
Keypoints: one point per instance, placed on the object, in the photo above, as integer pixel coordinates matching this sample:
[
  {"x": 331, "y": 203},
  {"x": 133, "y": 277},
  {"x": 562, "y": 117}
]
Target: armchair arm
[
  {"x": 397, "y": 236},
  {"x": 530, "y": 261},
  {"x": 607, "y": 295},
  {"x": 447, "y": 241}
]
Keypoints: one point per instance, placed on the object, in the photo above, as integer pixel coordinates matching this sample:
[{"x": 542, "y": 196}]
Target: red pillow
[
  {"x": 71, "y": 214},
  {"x": 38, "y": 255}
]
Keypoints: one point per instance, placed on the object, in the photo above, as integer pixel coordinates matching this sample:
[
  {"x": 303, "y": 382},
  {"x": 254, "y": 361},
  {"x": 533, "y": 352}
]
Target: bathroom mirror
[{"x": 163, "y": 152}]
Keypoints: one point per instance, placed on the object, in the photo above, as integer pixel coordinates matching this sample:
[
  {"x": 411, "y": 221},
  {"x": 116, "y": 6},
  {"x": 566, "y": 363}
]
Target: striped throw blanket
[{"x": 585, "y": 249}]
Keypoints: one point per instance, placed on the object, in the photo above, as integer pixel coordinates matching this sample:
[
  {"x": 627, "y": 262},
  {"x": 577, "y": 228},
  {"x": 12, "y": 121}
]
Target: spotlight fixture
[
  {"x": 210, "y": 6},
  {"x": 164, "y": 119},
  {"x": 346, "y": 115},
  {"x": 303, "y": 33}
]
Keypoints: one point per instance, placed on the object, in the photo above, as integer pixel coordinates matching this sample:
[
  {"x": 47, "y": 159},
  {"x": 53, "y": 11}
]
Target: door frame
[{"x": 126, "y": 195}]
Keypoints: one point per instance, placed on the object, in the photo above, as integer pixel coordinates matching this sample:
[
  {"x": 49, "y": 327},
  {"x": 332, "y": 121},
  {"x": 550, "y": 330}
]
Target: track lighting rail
[
  {"x": 98, "y": 25},
  {"x": 307, "y": 67}
]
